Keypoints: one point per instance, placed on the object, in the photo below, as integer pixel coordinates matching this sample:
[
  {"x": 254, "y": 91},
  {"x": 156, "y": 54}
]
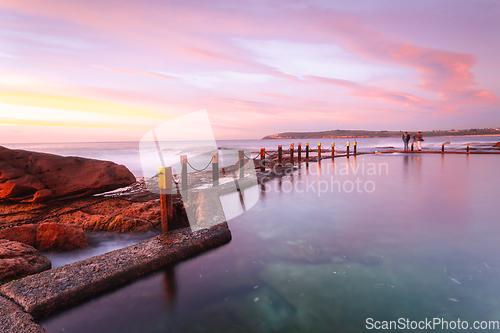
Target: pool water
[
  {"x": 99, "y": 243},
  {"x": 328, "y": 247}
]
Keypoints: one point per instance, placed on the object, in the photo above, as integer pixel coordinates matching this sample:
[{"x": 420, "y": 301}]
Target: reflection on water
[
  {"x": 169, "y": 286},
  {"x": 382, "y": 237}
]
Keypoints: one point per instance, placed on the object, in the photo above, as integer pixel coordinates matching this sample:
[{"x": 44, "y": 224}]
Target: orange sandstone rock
[
  {"x": 60, "y": 237},
  {"x": 18, "y": 260},
  {"x": 25, "y": 234},
  {"x": 26, "y": 175}
]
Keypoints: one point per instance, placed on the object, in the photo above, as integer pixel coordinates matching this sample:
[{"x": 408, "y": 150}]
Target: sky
[{"x": 93, "y": 70}]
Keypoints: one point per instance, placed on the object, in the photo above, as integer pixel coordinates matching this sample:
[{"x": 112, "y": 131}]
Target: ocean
[{"x": 127, "y": 153}]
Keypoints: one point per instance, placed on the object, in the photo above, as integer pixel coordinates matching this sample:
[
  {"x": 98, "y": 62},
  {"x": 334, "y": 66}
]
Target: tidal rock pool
[{"x": 334, "y": 247}]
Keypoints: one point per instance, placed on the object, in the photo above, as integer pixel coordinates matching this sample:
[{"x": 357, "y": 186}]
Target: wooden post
[
  {"x": 280, "y": 155},
  {"x": 412, "y": 146},
  {"x": 166, "y": 204},
  {"x": 467, "y": 148},
  {"x": 355, "y": 145},
  {"x": 184, "y": 176},
  {"x": 215, "y": 168},
  {"x": 307, "y": 151},
  {"x": 347, "y": 146},
  {"x": 333, "y": 150},
  {"x": 262, "y": 159},
  {"x": 241, "y": 159},
  {"x": 299, "y": 152},
  {"x": 291, "y": 153},
  {"x": 319, "y": 150},
  {"x": 442, "y": 147}
]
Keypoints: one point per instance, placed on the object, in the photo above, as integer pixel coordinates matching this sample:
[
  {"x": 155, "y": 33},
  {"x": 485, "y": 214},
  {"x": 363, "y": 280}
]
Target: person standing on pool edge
[
  {"x": 419, "y": 140},
  {"x": 406, "y": 140}
]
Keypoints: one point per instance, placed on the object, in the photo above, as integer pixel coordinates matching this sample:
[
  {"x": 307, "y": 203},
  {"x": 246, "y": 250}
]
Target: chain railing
[
  {"x": 251, "y": 158},
  {"x": 192, "y": 167},
  {"x": 270, "y": 154}
]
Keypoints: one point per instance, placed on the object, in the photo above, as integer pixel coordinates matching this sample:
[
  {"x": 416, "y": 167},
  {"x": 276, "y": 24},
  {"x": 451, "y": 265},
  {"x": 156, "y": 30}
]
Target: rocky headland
[{"x": 378, "y": 134}]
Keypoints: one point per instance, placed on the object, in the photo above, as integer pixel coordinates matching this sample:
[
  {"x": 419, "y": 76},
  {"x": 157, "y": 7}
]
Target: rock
[
  {"x": 60, "y": 237},
  {"x": 26, "y": 175},
  {"x": 117, "y": 223},
  {"x": 25, "y": 234},
  {"x": 18, "y": 260},
  {"x": 496, "y": 144},
  {"x": 14, "y": 212},
  {"x": 115, "y": 215},
  {"x": 123, "y": 223},
  {"x": 15, "y": 184},
  {"x": 42, "y": 195}
]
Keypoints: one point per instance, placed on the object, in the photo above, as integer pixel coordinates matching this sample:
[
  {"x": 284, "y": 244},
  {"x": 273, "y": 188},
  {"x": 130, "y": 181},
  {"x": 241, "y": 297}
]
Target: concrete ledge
[
  {"x": 62, "y": 287},
  {"x": 14, "y": 319}
]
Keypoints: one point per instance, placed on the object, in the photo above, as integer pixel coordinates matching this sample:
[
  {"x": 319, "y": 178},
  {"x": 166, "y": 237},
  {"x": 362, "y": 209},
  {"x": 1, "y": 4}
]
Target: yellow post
[{"x": 166, "y": 203}]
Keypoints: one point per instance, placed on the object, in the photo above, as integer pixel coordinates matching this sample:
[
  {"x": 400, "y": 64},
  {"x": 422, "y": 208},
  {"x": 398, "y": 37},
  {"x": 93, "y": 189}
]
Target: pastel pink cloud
[{"x": 188, "y": 56}]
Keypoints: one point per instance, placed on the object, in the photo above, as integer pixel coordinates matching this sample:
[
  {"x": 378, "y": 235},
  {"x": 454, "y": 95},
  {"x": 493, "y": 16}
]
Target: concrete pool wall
[{"x": 42, "y": 294}]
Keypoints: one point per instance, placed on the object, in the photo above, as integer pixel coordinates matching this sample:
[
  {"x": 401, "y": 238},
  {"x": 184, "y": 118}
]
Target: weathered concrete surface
[
  {"x": 59, "y": 288},
  {"x": 14, "y": 320}
]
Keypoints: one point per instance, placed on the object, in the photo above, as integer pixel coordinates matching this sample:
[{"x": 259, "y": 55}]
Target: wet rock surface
[
  {"x": 18, "y": 260},
  {"x": 37, "y": 177}
]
